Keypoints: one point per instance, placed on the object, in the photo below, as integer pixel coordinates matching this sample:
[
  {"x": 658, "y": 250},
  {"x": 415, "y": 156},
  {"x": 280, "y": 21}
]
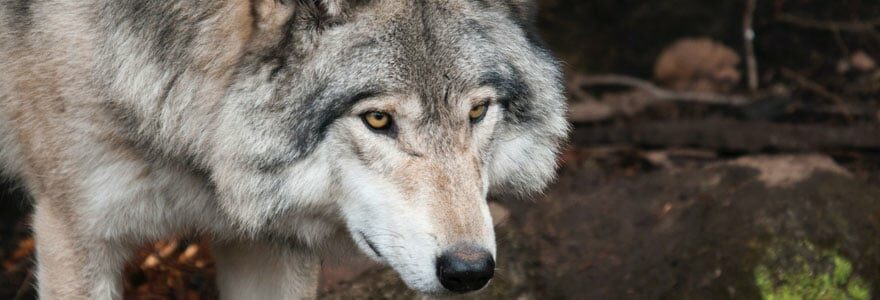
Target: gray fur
[{"x": 239, "y": 115}]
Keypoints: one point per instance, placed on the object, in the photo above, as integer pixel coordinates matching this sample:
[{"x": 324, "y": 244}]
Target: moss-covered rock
[{"x": 794, "y": 270}]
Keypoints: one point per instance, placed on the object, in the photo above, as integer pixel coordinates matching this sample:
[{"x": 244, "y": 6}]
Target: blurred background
[{"x": 720, "y": 149}]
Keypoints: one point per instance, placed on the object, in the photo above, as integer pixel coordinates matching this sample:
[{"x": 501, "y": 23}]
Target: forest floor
[{"x": 679, "y": 181}]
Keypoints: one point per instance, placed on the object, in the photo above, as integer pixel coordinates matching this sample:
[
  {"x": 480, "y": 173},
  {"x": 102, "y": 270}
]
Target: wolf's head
[{"x": 396, "y": 119}]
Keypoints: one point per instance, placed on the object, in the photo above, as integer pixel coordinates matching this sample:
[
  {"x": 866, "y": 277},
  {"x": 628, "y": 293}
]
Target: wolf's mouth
[{"x": 370, "y": 244}]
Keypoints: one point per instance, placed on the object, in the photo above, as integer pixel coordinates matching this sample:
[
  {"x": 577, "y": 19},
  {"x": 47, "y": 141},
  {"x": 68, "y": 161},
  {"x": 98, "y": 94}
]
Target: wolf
[{"x": 280, "y": 129}]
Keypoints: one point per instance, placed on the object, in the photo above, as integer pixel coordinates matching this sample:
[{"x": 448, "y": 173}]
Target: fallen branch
[
  {"x": 658, "y": 93},
  {"x": 817, "y": 88},
  {"x": 731, "y": 136},
  {"x": 854, "y": 26}
]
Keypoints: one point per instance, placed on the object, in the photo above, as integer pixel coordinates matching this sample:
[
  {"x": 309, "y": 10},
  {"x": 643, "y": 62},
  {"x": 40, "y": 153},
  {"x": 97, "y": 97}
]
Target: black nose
[{"x": 465, "y": 269}]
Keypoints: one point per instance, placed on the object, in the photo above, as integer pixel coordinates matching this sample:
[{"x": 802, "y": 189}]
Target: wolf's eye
[
  {"x": 377, "y": 120},
  {"x": 478, "y": 112}
]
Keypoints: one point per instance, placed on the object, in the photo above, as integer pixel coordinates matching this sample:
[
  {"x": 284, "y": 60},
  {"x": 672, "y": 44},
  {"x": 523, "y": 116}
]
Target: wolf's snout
[{"x": 465, "y": 269}]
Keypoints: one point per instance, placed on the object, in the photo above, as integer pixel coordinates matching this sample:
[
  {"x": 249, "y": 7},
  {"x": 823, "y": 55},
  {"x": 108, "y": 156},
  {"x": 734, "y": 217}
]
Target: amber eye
[
  {"x": 377, "y": 120},
  {"x": 478, "y": 112}
]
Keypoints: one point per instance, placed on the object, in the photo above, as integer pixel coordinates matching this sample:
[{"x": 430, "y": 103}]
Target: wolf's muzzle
[{"x": 465, "y": 269}]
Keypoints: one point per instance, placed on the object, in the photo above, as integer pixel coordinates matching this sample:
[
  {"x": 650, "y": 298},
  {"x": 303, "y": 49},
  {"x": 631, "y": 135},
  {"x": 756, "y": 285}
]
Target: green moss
[
  {"x": 842, "y": 269},
  {"x": 794, "y": 270},
  {"x": 858, "y": 289}
]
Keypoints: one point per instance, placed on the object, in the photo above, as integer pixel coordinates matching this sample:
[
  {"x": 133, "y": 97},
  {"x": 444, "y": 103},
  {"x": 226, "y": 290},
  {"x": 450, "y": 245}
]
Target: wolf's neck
[{"x": 167, "y": 81}]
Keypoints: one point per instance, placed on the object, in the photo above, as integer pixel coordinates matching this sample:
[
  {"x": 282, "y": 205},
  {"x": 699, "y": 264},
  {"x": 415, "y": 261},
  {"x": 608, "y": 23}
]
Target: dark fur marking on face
[
  {"x": 515, "y": 95},
  {"x": 308, "y": 122},
  {"x": 304, "y": 122},
  {"x": 334, "y": 108}
]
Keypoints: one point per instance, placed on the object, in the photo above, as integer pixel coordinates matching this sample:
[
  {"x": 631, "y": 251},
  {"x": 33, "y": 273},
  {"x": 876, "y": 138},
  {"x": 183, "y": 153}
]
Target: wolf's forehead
[{"x": 437, "y": 56}]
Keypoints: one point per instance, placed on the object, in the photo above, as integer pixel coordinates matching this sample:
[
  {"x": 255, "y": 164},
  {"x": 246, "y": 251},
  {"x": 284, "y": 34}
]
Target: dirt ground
[{"x": 679, "y": 182}]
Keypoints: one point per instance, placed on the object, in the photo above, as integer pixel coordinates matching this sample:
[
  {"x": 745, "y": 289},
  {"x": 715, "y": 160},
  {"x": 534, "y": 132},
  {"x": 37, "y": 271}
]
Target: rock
[
  {"x": 702, "y": 232},
  {"x": 798, "y": 269},
  {"x": 787, "y": 171},
  {"x": 862, "y": 61},
  {"x": 698, "y": 65}
]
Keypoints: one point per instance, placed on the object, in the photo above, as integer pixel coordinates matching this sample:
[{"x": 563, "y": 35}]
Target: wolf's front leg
[
  {"x": 256, "y": 270},
  {"x": 70, "y": 264}
]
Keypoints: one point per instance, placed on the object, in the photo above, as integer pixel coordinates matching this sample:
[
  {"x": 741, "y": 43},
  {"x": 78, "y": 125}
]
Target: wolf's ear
[
  {"x": 272, "y": 18},
  {"x": 269, "y": 15}
]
